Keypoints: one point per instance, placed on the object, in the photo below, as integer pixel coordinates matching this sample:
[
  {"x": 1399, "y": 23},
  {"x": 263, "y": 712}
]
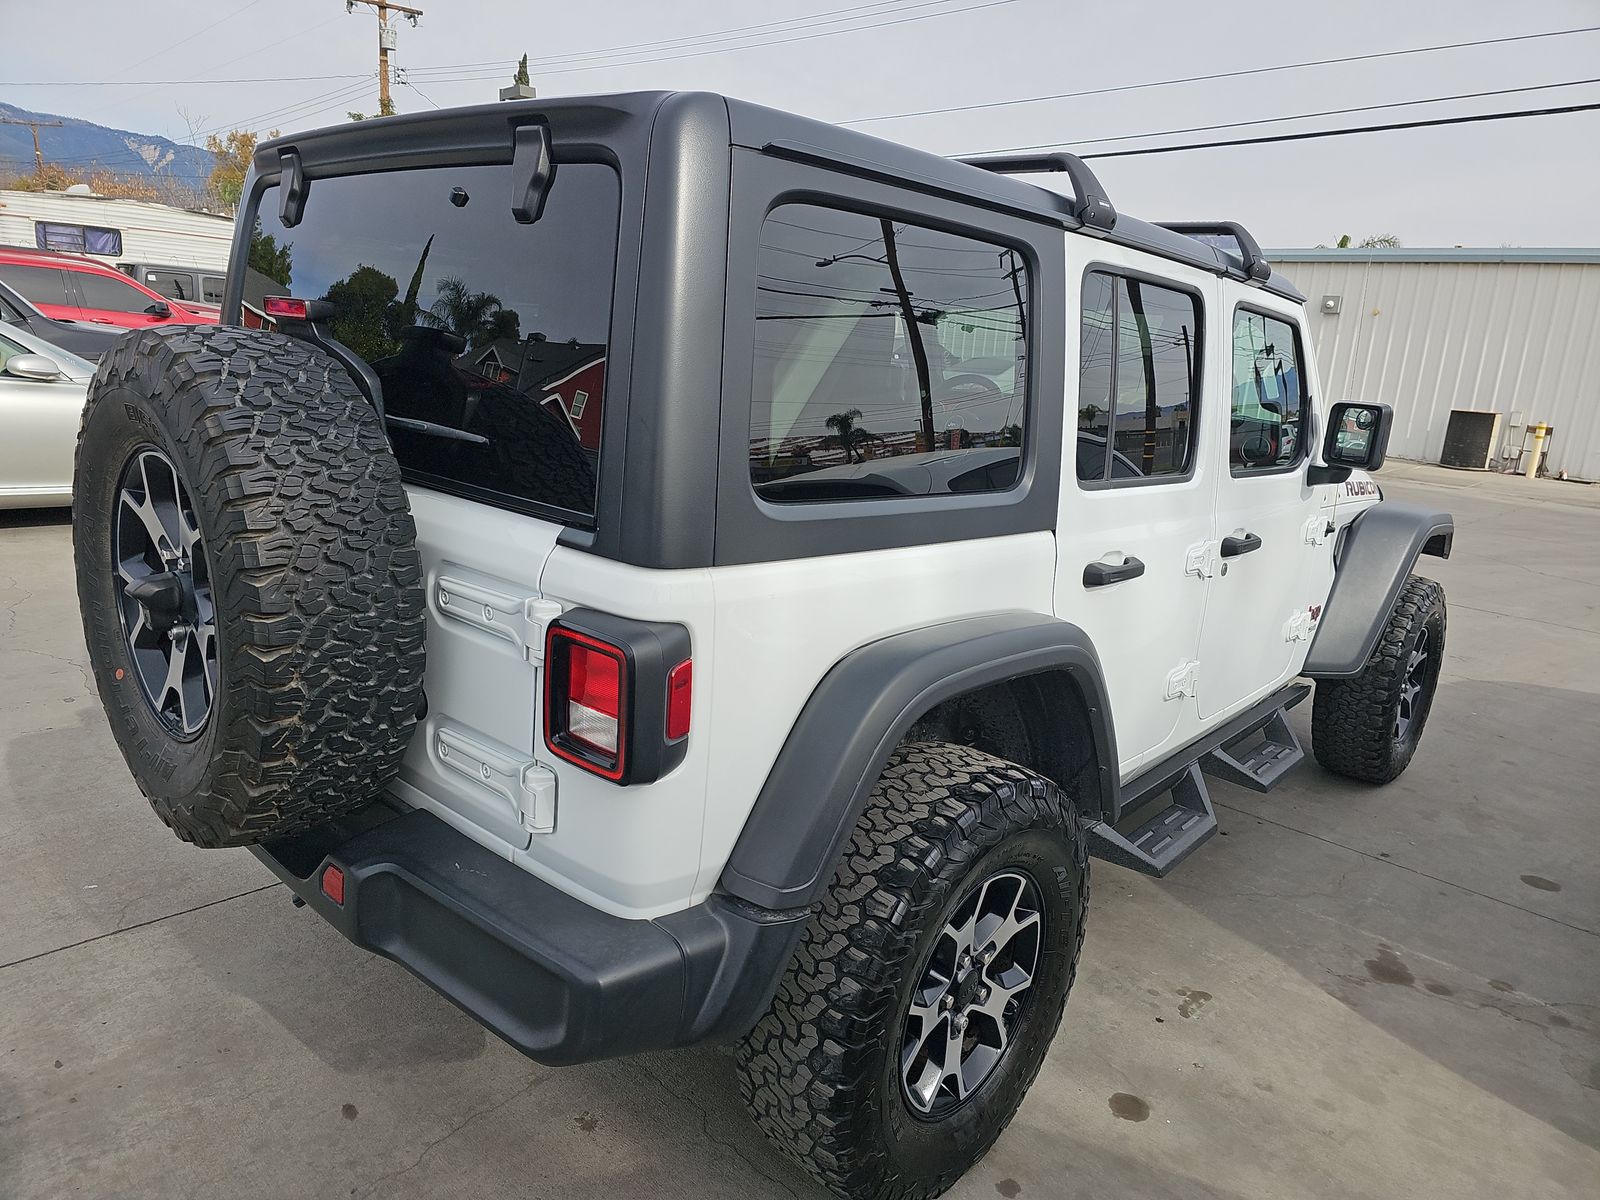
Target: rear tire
[
  {"x": 1368, "y": 727},
  {"x": 843, "y": 1074},
  {"x": 245, "y": 473}
]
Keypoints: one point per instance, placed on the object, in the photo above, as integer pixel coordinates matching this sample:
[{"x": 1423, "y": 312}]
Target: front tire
[
  {"x": 887, "y": 1065},
  {"x": 1368, "y": 728}
]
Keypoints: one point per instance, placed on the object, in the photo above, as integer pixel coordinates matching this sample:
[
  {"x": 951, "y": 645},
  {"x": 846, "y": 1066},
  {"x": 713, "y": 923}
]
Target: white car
[{"x": 41, "y": 399}]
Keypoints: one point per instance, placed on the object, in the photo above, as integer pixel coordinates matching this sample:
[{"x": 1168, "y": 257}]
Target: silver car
[{"x": 41, "y": 398}]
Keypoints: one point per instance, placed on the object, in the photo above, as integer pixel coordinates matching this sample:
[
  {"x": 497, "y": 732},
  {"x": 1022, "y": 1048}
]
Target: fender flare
[
  {"x": 1378, "y": 553},
  {"x": 858, "y": 714}
]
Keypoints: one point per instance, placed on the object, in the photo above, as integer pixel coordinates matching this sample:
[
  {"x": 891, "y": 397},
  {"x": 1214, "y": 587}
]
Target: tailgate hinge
[
  {"x": 1183, "y": 680},
  {"x": 521, "y": 620},
  {"x": 529, "y": 785}
]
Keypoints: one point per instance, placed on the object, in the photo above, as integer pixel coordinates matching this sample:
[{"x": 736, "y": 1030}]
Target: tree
[
  {"x": 232, "y": 154},
  {"x": 1375, "y": 241},
  {"x": 849, "y": 436},
  {"x": 272, "y": 260},
  {"x": 522, "y": 72},
  {"x": 363, "y": 305},
  {"x": 477, "y": 317}
]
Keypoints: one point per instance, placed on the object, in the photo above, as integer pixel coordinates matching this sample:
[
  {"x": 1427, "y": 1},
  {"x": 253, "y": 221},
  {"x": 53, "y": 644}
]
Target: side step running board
[
  {"x": 1167, "y": 838},
  {"x": 1264, "y": 764}
]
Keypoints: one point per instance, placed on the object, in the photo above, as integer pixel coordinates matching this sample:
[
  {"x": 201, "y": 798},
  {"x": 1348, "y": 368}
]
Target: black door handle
[
  {"x": 1232, "y": 547},
  {"x": 1098, "y": 574}
]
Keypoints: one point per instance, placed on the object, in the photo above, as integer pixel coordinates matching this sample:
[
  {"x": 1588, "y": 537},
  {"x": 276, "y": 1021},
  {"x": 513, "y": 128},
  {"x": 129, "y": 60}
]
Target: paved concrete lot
[{"x": 1353, "y": 993}]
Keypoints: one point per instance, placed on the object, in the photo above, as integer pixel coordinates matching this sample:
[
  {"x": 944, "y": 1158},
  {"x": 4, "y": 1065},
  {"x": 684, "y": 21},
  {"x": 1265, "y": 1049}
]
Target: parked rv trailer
[{"x": 114, "y": 231}]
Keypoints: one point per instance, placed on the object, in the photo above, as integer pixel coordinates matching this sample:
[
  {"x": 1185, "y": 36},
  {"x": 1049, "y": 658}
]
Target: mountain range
[{"x": 82, "y": 147}]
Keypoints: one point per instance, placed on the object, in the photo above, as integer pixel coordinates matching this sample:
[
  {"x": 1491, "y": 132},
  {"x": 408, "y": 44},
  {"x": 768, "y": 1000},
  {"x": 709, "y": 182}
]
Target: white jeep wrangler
[{"x": 674, "y": 570}]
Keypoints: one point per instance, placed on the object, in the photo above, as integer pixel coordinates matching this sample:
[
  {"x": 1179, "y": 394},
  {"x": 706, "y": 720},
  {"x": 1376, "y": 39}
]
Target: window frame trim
[
  {"x": 791, "y": 510},
  {"x": 1197, "y": 382},
  {"x": 1308, "y": 415}
]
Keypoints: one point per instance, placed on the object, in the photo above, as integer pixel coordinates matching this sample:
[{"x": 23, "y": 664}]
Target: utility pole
[
  {"x": 38, "y": 155},
  {"x": 386, "y": 42}
]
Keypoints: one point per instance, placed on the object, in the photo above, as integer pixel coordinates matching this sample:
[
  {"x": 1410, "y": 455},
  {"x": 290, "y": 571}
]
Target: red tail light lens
[
  {"x": 286, "y": 307},
  {"x": 586, "y": 688},
  {"x": 680, "y": 692},
  {"x": 333, "y": 883}
]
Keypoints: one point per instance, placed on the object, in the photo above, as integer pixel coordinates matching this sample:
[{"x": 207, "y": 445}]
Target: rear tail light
[
  {"x": 285, "y": 307},
  {"x": 617, "y": 695}
]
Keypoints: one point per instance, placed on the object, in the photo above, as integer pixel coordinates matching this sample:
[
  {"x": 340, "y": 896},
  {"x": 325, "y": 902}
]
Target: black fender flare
[
  {"x": 1377, "y": 555},
  {"x": 859, "y": 712}
]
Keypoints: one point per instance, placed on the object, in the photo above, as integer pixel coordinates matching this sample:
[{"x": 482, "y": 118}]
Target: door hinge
[
  {"x": 520, "y": 620},
  {"x": 1318, "y": 529},
  {"x": 528, "y": 785},
  {"x": 1201, "y": 560},
  {"x": 1183, "y": 680}
]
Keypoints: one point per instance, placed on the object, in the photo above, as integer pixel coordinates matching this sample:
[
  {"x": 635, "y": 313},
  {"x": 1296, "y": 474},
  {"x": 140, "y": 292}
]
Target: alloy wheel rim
[
  {"x": 169, "y": 622},
  {"x": 1411, "y": 686},
  {"x": 971, "y": 994}
]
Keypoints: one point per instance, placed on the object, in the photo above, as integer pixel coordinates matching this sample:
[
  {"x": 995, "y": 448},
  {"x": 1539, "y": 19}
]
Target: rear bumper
[{"x": 559, "y": 980}]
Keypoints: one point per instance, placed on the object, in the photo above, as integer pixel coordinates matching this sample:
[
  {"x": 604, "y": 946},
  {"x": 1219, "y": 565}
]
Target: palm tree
[
  {"x": 477, "y": 317},
  {"x": 848, "y": 435}
]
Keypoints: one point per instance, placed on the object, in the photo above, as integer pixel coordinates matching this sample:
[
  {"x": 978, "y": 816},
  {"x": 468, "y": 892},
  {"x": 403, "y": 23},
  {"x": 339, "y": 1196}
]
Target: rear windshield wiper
[{"x": 448, "y": 432}]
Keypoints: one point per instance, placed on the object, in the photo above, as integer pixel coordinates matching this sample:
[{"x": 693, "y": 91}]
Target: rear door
[
  {"x": 114, "y": 300},
  {"x": 479, "y": 329},
  {"x": 1139, "y": 508},
  {"x": 1273, "y": 557}
]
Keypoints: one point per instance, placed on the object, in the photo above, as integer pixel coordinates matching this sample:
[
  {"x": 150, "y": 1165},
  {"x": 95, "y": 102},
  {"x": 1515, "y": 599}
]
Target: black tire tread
[
  {"x": 805, "y": 1070},
  {"x": 315, "y": 574},
  {"x": 1352, "y": 720}
]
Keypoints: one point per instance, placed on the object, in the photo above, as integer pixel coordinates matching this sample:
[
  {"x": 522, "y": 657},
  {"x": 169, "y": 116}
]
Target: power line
[
  {"x": 1134, "y": 87},
  {"x": 1327, "y": 133},
  {"x": 666, "y": 43},
  {"x": 1327, "y": 112},
  {"x": 167, "y": 49},
  {"x": 806, "y": 37},
  {"x": 173, "y": 82}
]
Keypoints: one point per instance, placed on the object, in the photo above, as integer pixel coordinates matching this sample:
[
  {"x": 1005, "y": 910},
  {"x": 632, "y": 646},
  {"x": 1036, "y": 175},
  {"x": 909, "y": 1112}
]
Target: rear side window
[
  {"x": 489, "y": 337},
  {"x": 1139, "y": 371},
  {"x": 211, "y": 288},
  {"x": 110, "y": 293},
  {"x": 1266, "y": 428},
  {"x": 42, "y": 285},
  {"x": 890, "y": 359},
  {"x": 178, "y": 285},
  {"x": 77, "y": 239}
]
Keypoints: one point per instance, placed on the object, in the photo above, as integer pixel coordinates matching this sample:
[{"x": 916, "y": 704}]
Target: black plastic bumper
[{"x": 559, "y": 980}]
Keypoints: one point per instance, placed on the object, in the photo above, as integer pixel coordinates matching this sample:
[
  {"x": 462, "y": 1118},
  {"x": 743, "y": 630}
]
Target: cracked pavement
[{"x": 1353, "y": 992}]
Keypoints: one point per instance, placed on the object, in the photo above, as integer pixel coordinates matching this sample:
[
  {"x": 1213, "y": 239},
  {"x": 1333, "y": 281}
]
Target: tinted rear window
[{"x": 494, "y": 333}]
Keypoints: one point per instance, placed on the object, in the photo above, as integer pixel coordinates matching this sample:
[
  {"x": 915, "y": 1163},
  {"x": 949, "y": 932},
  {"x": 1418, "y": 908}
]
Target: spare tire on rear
[{"x": 249, "y": 581}]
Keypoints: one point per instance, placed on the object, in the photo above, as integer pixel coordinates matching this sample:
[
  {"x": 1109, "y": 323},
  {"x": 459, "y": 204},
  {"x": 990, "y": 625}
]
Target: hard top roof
[{"x": 479, "y": 133}]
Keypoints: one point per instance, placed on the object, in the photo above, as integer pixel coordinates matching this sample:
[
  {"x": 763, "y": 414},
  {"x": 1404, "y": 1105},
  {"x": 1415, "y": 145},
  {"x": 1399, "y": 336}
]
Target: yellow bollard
[{"x": 1532, "y": 469}]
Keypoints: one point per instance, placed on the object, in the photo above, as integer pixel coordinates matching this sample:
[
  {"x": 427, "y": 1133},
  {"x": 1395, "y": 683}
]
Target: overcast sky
[{"x": 1530, "y": 183}]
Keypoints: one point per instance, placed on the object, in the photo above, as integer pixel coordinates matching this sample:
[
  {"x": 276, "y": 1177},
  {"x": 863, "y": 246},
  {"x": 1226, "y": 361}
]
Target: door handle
[
  {"x": 1232, "y": 547},
  {"x": 1099, "y": 574}
]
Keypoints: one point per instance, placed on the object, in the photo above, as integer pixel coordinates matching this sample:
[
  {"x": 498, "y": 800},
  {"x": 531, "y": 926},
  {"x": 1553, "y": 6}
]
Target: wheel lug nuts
[{"x": 947, "y": 1003}]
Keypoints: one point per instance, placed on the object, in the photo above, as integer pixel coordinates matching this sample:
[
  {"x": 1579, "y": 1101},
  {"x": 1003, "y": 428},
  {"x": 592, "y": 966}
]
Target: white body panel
[
  {"x": 151, "y": 233},
  {"x": 763, "y": 635}
]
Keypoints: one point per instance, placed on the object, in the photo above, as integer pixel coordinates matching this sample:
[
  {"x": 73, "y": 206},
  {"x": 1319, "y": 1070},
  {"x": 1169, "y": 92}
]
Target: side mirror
[
  {"x": 1358, "y": 435},
  {"x": 32, "y": 366},
  {"x": 159, "y": 308}
]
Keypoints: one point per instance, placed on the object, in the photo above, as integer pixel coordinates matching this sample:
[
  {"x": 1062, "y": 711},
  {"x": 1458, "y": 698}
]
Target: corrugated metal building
[{"x": 1427, "y": 331}]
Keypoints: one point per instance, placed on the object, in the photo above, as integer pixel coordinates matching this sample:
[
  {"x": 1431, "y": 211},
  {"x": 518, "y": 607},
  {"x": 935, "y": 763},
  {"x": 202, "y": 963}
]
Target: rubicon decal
[{"x": 1360, "y": 487}]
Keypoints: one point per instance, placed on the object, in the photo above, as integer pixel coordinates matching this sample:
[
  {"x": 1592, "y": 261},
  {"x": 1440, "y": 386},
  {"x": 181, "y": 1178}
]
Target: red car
[{"x": 70, "y": 288}]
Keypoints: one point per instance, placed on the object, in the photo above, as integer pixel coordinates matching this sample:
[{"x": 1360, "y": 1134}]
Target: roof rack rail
[
  {"x": 1093, "y": 208},
  {"x": 1256, "y": 266}
]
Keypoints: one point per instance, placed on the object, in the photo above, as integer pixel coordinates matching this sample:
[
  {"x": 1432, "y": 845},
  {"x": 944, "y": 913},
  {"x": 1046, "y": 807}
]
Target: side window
[
  {"x": 77, "y": 239},
  {"x": 42, "y": 285},
  {"x": 890, "y": 359},
  {"x": 1266, "y": 427},
  {"x": 110, "y": 293},
  {"x": 1139, "y": 371},
  {"x": 211, "y": 288},
  {"x": 172, "y": 284}
]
